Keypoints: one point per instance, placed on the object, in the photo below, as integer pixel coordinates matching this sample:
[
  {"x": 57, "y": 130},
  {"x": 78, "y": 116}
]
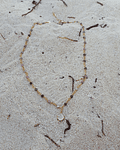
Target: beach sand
[{"x": 94, "y": 111}]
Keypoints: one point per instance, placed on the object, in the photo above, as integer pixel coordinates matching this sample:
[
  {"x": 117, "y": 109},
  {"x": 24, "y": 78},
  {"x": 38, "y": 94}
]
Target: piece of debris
[
  {"x": 102, "y": 128},
  {"x": 64, "y": 3},
  {"x": 95, "y": 80},
  {"x": 32, "y": 8},
  {"x": 72, "y": 17},
  {"x": 36, "y": 125},
  {"x": 103, "y": 26},
  {"x": 99, "y": 135},
  {"x": 8, "y": 116},
  {"x": 100, "y": 3},
  {"x": 72, "y": 83},
  {"x": 69, "y": 126},
  {"x": 2, "y": 36},
  {"x": 52, "y": 140},
  {"x": 96, "y": 25}
]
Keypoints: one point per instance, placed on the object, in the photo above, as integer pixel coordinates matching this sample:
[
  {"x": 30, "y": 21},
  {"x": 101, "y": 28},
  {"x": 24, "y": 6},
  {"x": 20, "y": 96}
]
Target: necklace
[{"x": 61, "y": 117}]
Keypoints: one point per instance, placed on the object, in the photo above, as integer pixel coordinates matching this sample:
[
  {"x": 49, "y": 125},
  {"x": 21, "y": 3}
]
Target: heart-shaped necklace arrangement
[{"x": 61, "y": 117}]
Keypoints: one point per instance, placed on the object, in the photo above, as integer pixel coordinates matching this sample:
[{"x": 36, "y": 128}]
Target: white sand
[{"x": 27, "y": 108}]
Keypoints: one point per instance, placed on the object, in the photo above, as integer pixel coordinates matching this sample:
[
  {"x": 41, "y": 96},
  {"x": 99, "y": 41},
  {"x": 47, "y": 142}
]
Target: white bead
[{"x": 60, "y": 117}]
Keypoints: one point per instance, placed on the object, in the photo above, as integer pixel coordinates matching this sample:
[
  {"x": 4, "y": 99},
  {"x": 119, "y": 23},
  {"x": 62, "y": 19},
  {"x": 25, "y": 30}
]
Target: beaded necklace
[{"x": 61, "y": 117}]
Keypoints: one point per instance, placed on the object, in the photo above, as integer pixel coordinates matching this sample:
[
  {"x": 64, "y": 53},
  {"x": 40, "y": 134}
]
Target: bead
[
  {"x": 83, "y": 31},
  {"x": 22, "y": 65},
  {"x": 84, "y": 54},
  {"x": 43, "y": 23},
  {"x": 86, "y": 76},
  {"x": 42, "y": 95},
  {"x": 21, "y": 52},
  {"x": 85, "y": 68},
  {"x": 84, "y": 42},
  {"x": 84, "y": 60},
  {"x": 71, "y": 96},
  {"x": 27, "y": 77},
  {"x": 20, "y": 58},
  {"x": 29, "y": 35},
  {"x": 84, "y": 49},
  {"x": 49, "y": 101},
  {"x": 31, "y": 30},
  {"x": 25, "y": 46},
  {"x": 81, "y": 24},
  {"x": 31, "y": 83},
  {"x": 36, "y": 89},
  {"x": 60, "y": 117},
  {"x": 82, "y": 81},
  {"x": 65, "y": 104},
  {"x": 84, "y": 37},
  {"x": 58, "y": 106}
]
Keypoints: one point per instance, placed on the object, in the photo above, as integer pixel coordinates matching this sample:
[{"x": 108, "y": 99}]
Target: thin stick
[
  {"x": 68, "y": 39},
  {"x": 100, "y": 3},
  {"x": 52, "y": 140},
  {"x": 2, "y": 36},
  {"x": 72, "y": 17},
  {"x": 32, "y": 8},
  {"x": 96, "y": 25},
  {"x": 80, "y": 32},
  {"x": 64, "y": 3},
  {"x": 102, "y": 128},
  {"x": 72, "y": 83}
]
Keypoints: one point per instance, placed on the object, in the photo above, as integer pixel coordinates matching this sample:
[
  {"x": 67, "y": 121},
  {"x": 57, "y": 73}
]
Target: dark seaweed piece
[
  {"x": 96, "y": 25},
  {"x": 69, "y": 126}
]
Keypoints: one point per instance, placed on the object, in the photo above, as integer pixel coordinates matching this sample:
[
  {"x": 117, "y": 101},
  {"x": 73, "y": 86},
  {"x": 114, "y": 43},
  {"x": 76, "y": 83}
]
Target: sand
[{"x": 93, "y": 103}]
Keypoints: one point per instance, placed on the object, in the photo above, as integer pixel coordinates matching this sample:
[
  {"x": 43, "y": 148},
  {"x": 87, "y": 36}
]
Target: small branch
[
  {"x": 72, "y": 83},
  {"x": 52, "y": 140},
  {"x": 68, "y": 39},
  {"x": 32, "y": 8},
  {"x": 99, "y": 135},
  {"x": 72, "y": 17},
  {"x": 2, "y": 36},
  {"x": 100, "y": 3},
  {"x": 102, "y": 128},
  {"x": 64, "y": 3},
  {"x": 96, "y": 25},
  {"x": 80, "y": 32}
]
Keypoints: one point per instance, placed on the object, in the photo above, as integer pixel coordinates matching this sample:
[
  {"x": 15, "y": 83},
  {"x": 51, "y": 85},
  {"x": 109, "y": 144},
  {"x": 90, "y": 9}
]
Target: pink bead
[
  {"x": 49, "y": 101},
  {"x": 22, "y": 65},
  {"x": 27, "y": 77},
  {"x": 86, "y": 76},
  {"x": 82, "y": 82}
]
